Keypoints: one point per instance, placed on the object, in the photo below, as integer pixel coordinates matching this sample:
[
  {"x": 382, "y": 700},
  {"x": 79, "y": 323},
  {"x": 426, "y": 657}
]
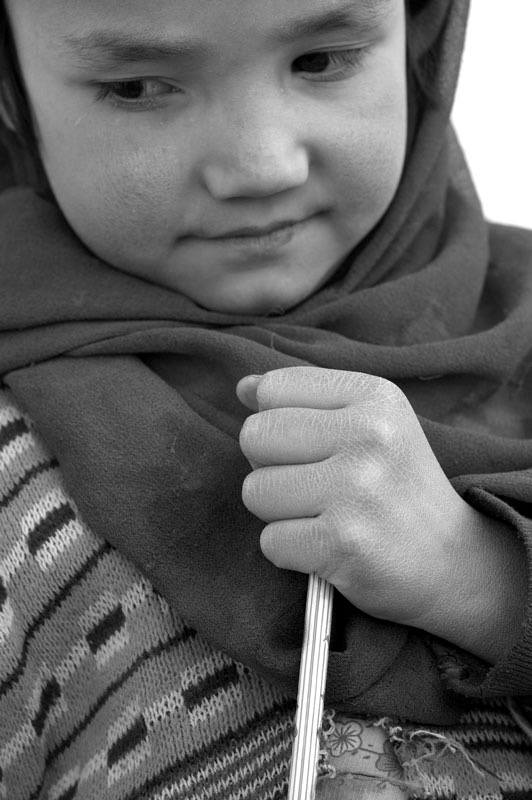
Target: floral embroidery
[
  {"x": 388, "y": 763},
  {"x": 344, "y": 738}
]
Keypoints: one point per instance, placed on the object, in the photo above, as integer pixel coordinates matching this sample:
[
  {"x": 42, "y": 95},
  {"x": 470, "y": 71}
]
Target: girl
[{"x": 265, "y": 197}]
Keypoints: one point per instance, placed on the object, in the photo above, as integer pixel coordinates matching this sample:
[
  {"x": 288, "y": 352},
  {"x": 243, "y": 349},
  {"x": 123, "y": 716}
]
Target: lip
[
  {"x": 251, "y": 241},
  {"x": 256, "y": 232}
]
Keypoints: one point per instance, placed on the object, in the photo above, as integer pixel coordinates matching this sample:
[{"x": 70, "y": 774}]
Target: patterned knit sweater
[{"x": 106, "y": 693}]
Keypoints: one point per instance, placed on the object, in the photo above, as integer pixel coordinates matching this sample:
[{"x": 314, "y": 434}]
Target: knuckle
[
  {"x": 385, "y": 431},
  {"x": 353, "y": 544},
  {"x": 340, "y": 544},
  {"x": 342, "y": 538},
  {"x": 343, "y": 532},
  {"x": 347, "y": 478},
  {"x": 371, "y": 476},
  {"x": 348, "y": 382},
  {"x": 392, "y": 396},
  {"x": 383, "y": 391}
]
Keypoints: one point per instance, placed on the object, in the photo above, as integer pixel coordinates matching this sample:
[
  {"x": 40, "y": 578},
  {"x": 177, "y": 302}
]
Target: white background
[{"x": 493, "y": 107}]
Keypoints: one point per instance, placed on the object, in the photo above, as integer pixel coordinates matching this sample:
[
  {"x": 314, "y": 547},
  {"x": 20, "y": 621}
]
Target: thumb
[{"x": 246, "y": 390}]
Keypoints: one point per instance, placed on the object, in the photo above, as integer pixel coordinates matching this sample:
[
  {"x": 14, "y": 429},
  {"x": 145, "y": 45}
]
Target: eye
[
  {"x": 140, "y": 93},
  {"x": 331, "y": 65}
]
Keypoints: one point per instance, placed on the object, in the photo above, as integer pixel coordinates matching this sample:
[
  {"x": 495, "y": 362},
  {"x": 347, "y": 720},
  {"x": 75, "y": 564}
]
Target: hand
[{"x": 351, "y": 489}]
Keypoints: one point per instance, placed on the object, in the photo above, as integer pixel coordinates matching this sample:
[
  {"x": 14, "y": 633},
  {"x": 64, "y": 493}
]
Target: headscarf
[{"x": 132, "y": 386}]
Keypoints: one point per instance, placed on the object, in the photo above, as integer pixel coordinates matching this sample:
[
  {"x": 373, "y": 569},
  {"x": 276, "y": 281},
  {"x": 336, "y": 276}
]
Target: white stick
[{"x": 312, "y": 675}]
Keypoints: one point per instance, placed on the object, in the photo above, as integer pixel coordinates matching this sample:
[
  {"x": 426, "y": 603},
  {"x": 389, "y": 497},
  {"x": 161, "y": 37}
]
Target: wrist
[{"x": 481, "y": 603}]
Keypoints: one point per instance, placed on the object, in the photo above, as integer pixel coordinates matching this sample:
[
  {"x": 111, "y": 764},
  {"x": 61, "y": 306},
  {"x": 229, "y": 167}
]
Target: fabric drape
[{"x": 132, "y": 387}]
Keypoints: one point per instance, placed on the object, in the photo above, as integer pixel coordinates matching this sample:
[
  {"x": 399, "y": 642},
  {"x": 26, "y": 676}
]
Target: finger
[
  {"x": 298, "y": 544},
  {"x": 287, "y": 492},
  {"x": 246, "y": 390},
  {"x": 292, "y": 436},
  {"x": 315, "y": 387}
]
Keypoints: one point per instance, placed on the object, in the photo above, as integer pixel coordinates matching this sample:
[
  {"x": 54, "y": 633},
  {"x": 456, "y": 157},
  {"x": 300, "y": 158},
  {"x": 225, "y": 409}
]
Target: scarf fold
[{"x": 132, "y": 387}]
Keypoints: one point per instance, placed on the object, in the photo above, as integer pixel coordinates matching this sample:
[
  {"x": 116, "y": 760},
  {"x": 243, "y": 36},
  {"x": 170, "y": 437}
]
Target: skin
[
  {"x": 342, "y": 472},
  {"x": 246, "y": 138},
  {"x": 350, "y": 488}
]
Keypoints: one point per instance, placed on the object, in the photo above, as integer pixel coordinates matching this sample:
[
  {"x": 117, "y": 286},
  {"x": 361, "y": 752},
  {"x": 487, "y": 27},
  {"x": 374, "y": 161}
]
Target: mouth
[
  {"x": 259, "y": 240},
  {"x": 252, "y": 232}
]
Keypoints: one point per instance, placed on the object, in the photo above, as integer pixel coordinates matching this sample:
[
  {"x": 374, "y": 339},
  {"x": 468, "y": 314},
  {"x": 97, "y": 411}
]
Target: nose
[{"x": 254, "y": 149}]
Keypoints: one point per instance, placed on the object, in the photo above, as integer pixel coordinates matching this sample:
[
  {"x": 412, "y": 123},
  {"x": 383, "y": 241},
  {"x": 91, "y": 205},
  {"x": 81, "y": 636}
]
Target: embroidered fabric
[
  {"x": 358, "y": 760},
  {"x": 486, "y": 756}
]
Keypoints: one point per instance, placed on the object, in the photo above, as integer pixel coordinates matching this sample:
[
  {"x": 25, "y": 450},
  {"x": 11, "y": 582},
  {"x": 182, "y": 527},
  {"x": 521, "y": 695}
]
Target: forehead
[{"x": 61, "y": 18}]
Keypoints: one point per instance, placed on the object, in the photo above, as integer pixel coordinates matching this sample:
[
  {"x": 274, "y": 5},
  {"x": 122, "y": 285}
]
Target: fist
[{"x": 349, "y": 487}]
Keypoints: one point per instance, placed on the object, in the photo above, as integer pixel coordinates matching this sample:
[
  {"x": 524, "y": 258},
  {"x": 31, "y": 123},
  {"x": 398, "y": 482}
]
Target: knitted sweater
[{"x": 106, "y": 693}]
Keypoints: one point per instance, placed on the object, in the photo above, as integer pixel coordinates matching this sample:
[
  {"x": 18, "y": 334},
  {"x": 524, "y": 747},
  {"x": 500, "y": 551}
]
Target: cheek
[
  {"x": 368, "y": 170},
  {"x": 118, "y": 197},
  {"x": 371, "y": 152}
]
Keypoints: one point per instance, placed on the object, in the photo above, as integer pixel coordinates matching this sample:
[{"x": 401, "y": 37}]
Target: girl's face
[{"x": 169, "y": 127}]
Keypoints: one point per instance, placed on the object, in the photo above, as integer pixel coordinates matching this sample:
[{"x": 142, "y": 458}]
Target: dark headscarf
[{"x": 132, "y": 387}]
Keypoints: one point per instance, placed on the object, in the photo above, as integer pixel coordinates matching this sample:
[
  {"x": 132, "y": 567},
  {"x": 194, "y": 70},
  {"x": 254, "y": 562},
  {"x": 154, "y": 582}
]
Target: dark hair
[
  {"x": 19, "y": 142},
  {"x": 18, "y": 139}
]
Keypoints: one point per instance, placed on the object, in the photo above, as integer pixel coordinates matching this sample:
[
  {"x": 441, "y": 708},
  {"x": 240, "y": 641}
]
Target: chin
[
  {"x": 258, "y": 303},
  {"x": 258, "y": 307}
]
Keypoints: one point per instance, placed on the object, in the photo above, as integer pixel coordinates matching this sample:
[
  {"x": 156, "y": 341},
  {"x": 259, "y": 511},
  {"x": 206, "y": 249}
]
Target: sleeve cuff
[{"x": 464, "y": 673}]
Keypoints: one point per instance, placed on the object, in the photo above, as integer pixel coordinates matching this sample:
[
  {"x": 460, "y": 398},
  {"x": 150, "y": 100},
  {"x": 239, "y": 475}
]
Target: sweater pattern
[{"x": 106, "y": 693}]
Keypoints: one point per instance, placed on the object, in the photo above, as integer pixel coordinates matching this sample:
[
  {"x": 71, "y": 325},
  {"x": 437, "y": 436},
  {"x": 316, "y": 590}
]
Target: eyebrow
[{"x": 101, "y": 49}]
